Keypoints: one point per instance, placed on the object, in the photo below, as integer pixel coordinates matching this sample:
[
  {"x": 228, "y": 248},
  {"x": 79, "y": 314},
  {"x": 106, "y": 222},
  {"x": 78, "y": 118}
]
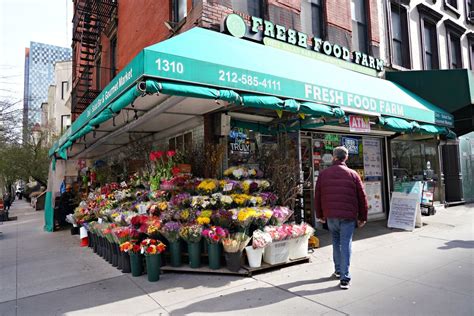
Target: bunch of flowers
[
  {"x": 260, "y": 239},
  {"x": 181, "y": 200},
  {"x": 130, "y": 247},
  {"x": 235, "y": 242},
  {"x": 151, "y": 246},
  {"x": 164, "y": 167},
  {"x": 107, "y": 231},
  {"x": 124, "y": 234},
  {"x": 208, "y": 186},
  {"x": 153, "y": 226},
  {"x": 240, "y": 199},
  {"x": 303, "y": 229},
  {"x": 191, "y": 233},
  {"x": 262, "y": 216},
  {"x": 268, "y": 198},
  {"x": 140, "y": 223},
  {"x": 245, "y": 216},
  {"x": 204, "y": 217},
  {"x": 186, "y": 215},
  {"x": 171, "y": 231},
  {"x": 215, "y": 234},
  {"x": 222, "y": 218},
  {"x": 242, "y": 172},
  {"x": 278, "y": 232},
  {"x": 281, "y": 214},
  {"x": 200, "y": 201}
]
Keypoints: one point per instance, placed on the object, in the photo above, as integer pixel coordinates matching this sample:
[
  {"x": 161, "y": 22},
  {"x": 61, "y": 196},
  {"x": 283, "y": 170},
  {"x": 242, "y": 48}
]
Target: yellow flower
[
  {"x": 184, "y": 214},
  {"x": 203, "y": 220},
  {"x": 162, "y": 206},
  {"x": 207, "y": 185},
  {"x": 246, "y": 186},
  {"x": 206, "y": 213},
  {"x": 229, "y": 171}
]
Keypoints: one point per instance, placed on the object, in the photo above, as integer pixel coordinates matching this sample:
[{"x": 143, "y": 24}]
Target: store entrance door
[{"x": 365, "y": 157}]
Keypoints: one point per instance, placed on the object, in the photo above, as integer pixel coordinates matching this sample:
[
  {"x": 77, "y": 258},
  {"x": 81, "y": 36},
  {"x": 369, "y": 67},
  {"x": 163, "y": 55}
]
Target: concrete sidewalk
[{"x": 426, "y": 272}]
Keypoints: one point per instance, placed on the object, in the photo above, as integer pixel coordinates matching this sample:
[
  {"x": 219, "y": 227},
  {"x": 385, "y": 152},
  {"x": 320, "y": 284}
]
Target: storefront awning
[
  {"x": 451, "y": 90},
  {"x": 205, "y": 64}
]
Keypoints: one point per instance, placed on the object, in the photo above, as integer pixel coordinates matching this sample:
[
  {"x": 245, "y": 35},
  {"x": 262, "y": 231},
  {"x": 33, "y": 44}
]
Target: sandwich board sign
[{"x": 405, "y": 211}]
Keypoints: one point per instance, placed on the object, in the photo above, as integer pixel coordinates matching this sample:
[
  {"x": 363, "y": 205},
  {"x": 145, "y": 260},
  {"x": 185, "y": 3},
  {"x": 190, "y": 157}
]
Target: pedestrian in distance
[
  {"x": 7, "y": 201},
  {"x": 341, "y": 202}
]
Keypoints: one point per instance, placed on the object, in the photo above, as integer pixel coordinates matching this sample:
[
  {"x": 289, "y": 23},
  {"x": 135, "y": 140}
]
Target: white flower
[
  {"x": 238, "y": 173},
  {"x": 226, "y": 199}
]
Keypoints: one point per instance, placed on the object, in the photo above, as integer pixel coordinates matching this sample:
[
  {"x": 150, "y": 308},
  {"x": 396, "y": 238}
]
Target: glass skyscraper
[{"x": 39, "y": 75}]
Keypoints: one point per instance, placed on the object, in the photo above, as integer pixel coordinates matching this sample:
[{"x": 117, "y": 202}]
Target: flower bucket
[
  {"x": 167, "y": 185},
  {"x": 194, "y": 253},
  {"x": 153, "y": 265},
  {"x": 233, "y": 260},
  {"x": 119, "y": 257},
  {"x": 214, "y": 251},
  {"x": 101, "y": 247},
  {"x": 299, "y": 247},
  {"x": 175, "y": 252},
  {"x": 83, "y": 236},
  {"x": 109, "y": 251},
  {"x": 95, "y": 243},
  {"x": 254, "y": 256},
  {"x": 89, "y": 238},
  {"x": 136, "y": 264},
  {"x": 114, "y": 254},
  {"x": 126, "y": 263},
  {"x": 277, "y": 252}
]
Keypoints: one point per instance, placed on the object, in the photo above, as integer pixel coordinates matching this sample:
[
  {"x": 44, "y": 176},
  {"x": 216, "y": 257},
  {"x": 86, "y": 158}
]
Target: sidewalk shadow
[
  {"x": 466, "y": 244},
  {"x": 254, "y": 298}
]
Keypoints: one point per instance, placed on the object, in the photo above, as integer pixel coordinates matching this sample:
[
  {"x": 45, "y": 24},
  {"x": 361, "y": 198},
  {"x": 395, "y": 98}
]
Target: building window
[
  {"x": 454, "y": 33},
  {"x": 179, "y": 10},
  {"x": 359, "y": 26},
  {"x": 250, "y": 7},
  {"x": 312, "y": 18},
  {"x": 469, "y": 11},
  {"x": 471, "y": 53},
  {"x": 113, "y": 57},
  {"x": 400, "y": 41},
  {"x": 429, "y": 36},
  {"x": 430, "y": 46},
  {"x": 98, "y": 70},
  {"x": 452, "y": 3},
  {"x": 64, "y": 89},
  {"x": 454, "y": 48}
]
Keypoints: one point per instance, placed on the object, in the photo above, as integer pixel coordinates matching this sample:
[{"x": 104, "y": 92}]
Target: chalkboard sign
[{"x": 405, "y": 206}]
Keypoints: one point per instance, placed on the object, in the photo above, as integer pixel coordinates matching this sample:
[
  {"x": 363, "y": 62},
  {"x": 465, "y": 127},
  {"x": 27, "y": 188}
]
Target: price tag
[
  {"x": 228, "y": 187},
  {"x": 123, "y": 184},
  {"x": 99, "y": 220}
]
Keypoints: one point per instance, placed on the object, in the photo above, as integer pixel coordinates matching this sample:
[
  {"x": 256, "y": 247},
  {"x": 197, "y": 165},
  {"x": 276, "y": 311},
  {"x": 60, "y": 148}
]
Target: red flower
[
  {"x": 154, "y": 155},
  {"x": 149, "y": 250},
  {"x": 136, "y": 248},
  {"x": 175, "y": 171},
  {"x": 170, "y": 153}
]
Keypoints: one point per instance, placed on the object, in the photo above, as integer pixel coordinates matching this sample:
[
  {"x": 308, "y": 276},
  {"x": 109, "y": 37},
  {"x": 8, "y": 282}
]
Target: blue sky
[{"x": 22, "y": 21}]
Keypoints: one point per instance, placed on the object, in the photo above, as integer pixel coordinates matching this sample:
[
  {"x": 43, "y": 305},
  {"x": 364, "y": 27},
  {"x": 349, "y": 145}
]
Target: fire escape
[{"x": 91, "y": 18}]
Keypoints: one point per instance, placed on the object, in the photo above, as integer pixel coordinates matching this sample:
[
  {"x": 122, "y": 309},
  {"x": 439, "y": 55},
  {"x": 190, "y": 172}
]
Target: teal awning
[
  {"x": 451, "y": 90},
  {"x": 206, "y": 64}
]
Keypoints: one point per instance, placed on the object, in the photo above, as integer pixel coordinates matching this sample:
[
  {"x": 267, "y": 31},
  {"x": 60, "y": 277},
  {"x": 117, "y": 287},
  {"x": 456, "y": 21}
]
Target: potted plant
[
  {"x": 192, "y": 235},
  {"x": 254, "y": 252},
  {"x": 214, "y": 236},
  {"x": 134, "y": 251},
  {"x": 233, "y": 246},
  {"x": 170, "y": 231},
  {"x": 152, "y": 250}
]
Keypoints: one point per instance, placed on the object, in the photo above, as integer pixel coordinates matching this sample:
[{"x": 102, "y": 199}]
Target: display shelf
[{"x": 244, "y": 271}]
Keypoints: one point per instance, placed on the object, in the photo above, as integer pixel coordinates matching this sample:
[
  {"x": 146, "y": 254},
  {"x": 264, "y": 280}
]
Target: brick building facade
[{"x": 108, "y": 34}]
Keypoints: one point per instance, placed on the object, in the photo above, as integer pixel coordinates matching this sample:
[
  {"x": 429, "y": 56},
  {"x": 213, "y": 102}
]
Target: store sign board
[
  {"x": 359, "y": 124},
  {"x": 405, "y": 210},
  {"x": 250, "y": 80},
  {"x": 352, "y": 145},
  {"x": 260, "y": 29}
]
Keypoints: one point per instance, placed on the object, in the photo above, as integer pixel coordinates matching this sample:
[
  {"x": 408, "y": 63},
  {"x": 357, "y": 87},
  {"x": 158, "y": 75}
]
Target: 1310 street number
[{"x": 169, "y": 66}]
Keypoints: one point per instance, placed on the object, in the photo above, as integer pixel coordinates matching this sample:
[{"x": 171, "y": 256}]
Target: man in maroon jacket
[{"x": 342, "y": 203}]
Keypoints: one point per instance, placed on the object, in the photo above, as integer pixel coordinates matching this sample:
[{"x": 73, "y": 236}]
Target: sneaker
[
  {"x": 344, "y": 284},
  {"x": 337, "y": 275}
]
